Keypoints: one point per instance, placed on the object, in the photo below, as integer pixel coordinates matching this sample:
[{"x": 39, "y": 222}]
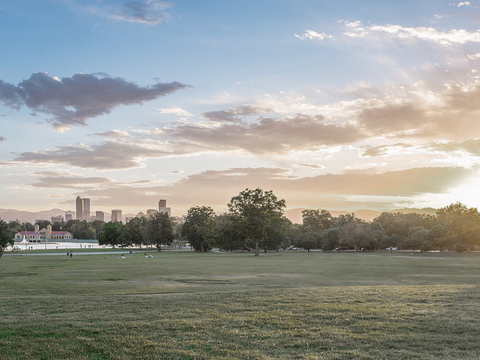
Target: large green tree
[
  {"x": 110, "y": 233},
  {"x": 228, "y": 235},
  {"x": 131, "y": 232},
  {"x": 256, "y": 210},
  {"x": 80, "y": 229},
  {"x": 462, "y": 224},
  {"x": 160, "y": 230},
  {"x": 317, "y": 220},
  {"x": 199, "y": 228}
]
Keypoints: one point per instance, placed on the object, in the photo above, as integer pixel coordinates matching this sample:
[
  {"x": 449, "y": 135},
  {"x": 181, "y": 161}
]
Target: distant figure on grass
[
  {"x": 71, "y": 254},
  {"x": 123, "y": 256},
  {"x": 130, "y": 253}
]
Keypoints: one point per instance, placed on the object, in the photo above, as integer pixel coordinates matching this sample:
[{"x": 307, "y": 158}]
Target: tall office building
[
  {"x": 86, "y": 209},
  {"x": 69, "y": 215},
  {"x": 79, "y": 208},
  {"x": 99, "y": 215},
  {"x": 117, "y": 215},
  {"x": 162, "y": 207}
]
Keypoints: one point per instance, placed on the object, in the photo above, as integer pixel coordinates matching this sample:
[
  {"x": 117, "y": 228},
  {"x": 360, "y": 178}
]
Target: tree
[
  {"x": 330, "y": 239},
  {"x": 276, "y": 233},
  {"x": 351, "y": 230},
  {"x": 15, "y": 227},
  {"x": 80, "y": 229},
  {"x": 462, "y": 224},
  {"x": 438, "y": 237},
  {"x": 228, "y": 234},
  {"x": 110, "y": 233},
  {"x": 57, "y": 225},
  {"x": 317, "y": 220},
  {"x": 97, "y": 225},
  {"x": 6, "y": 236},
  {"x": 256, "y": 210},
  {"x": 400, "y": 224},
  {"x": 198, "y": 228},
  {"x": 416, "y": 240},
  {"x": 308, "y": 240},
  {"x": 131, "y": 232},
  {"x": 42, "y": 224},
  {"x": 160, "y": 230}
]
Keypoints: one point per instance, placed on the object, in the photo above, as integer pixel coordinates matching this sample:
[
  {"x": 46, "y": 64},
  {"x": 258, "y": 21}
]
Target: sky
[{"x": 338, "y": 105}]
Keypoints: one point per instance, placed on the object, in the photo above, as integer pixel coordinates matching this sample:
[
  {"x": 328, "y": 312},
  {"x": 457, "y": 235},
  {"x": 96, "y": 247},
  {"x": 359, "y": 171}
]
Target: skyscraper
[
  {"x": 86, "y": 209},
  {"x": 116, "y": 215},
  {"x": 79, "y": 208},
  {"x": 162, "y": 207},
  {"x": 100, "y": 215}
]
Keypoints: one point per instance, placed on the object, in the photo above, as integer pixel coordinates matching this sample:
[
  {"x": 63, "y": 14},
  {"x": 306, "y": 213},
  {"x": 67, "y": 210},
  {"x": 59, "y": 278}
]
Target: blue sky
[{"x": 342, "y": 105}]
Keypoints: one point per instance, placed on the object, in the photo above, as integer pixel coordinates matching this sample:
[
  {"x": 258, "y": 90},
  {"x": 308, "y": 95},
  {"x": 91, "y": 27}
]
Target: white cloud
[
  {"x": 460, "y": 36},
  {"x": 466, "y": 3},
  {"x": 454, "y": 36},
  {"x": 312, "y": 35},
  {"x": 175, "y": 111}
]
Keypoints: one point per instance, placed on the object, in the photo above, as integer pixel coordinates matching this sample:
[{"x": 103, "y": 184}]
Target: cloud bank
[
  {"x": 73, "y": 100},
  {"x": 332, "y": 191}
]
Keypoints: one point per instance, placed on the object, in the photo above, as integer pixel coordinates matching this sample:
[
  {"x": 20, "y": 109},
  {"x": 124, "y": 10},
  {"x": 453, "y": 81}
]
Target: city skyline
[{"x": 341, "y": 105}]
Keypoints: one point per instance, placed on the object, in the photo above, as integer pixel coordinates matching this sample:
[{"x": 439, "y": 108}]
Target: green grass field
[{"x": 288, "y": 305}]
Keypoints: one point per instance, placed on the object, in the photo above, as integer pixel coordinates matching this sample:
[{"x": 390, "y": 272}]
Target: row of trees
[
  {"x": 157, "y": 230},
  {"x": 255, "y": 221},
  {"x": 454, "y": 227}
]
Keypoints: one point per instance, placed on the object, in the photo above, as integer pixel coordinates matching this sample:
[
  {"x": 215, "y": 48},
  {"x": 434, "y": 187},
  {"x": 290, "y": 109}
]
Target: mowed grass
[{"x": 290, "y": 305}]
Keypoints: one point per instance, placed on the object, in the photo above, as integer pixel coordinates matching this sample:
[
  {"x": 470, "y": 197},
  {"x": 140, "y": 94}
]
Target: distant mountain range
[{"x": 295, "y": 215}]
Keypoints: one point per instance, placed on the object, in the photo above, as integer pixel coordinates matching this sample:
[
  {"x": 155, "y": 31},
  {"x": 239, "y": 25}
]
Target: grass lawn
[{"x": 290, "y": 305}]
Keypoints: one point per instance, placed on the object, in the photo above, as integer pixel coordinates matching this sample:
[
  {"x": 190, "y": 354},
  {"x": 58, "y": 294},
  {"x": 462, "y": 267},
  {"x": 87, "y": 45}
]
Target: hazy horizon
[{"x": 341, "y": 105}]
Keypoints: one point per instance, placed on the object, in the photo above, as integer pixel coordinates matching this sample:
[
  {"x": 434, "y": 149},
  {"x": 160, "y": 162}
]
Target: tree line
[{"x": 255, "y": 221}]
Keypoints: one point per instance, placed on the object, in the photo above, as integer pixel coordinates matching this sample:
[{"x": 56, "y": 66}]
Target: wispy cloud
[
  {"x": 454, "y": 36},
  {"x": 2, "y": 139},
  {"x": 234, "y": 114},
  {"x": 107, "y": 156},
  {"x": 313, "y": 35},
  {"x": 74, "y": 100},
  {"x": 150, "y": 12},
  {"x": 114, "y": 134},
  {"x": 175, "y": 111}
]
